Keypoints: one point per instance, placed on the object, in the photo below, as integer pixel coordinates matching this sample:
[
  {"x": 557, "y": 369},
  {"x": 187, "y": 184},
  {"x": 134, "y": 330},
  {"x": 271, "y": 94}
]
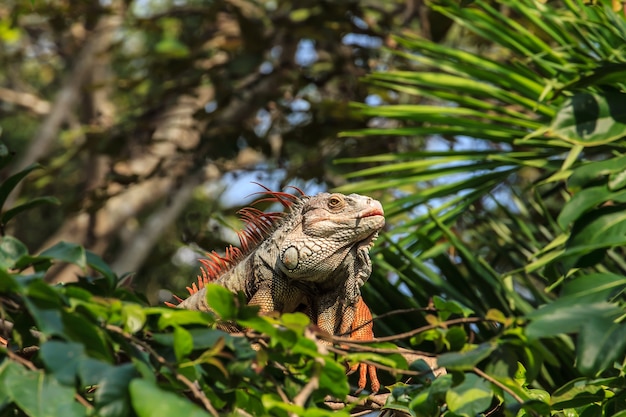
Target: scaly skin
[{"x": 315, "y": 259}]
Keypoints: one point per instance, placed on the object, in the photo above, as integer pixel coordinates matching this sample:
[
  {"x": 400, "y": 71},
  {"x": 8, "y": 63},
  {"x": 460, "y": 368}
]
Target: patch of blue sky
[
  {"x": 362, "y": 40},
  {"x": 306, "y": 55}
]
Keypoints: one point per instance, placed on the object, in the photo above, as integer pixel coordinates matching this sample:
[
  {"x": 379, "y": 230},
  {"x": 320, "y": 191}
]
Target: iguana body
[{"x": 313, "y": 258}]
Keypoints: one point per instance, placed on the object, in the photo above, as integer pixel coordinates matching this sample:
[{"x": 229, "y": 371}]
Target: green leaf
[
  {"x": 447, "y": 307},
  {"x": 112, "y": 396},
  {"x": 593, "y": 287},
  {"x": 601, "y": 342},
  {"x": 591, "y": 119},
  {"x": 221, "y": 301},
  {"x": 63, "y": 359},
  {"x": 466, "y": 360},
  {"x": 96, "y": 262},
  {"x": 587, "y": 199},
  {"x": 92, "y": 371},
  {"x": 455, "y": 337},
  {"x": 80, "y": 329},
  {"x": 592, "y": 234},
  {"x": 11, "y": 250},
  {"x": 596, "y": 170},
  {"x": 39, "y": 201},
  {"x": 183, "y": 343},
  {"x": 10, "y": 183},
  {"x": 66, "y": 252},
  {"x": 333, "y": 379},
  {"x": 5, "y": 398},
  {"x": 174, "y": 316},
  {"x": 150, "y": 401},
  {"x": 133, "y": 317},
  {"x": 7, "y": 282},
  {"x": 564, "y": 316},
  {"x": 576, "y": 393},
  {"x": 38, "y": 394},
  {"x": 471, "y": 397}
]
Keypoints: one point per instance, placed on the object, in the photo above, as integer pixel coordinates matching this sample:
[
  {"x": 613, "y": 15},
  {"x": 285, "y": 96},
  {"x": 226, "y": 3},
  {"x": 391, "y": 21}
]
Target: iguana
[{"x": 314, "y": 258}]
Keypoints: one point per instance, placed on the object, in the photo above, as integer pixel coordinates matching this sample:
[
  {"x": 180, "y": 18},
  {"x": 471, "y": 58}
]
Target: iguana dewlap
[{"x": 312, "y": 258}]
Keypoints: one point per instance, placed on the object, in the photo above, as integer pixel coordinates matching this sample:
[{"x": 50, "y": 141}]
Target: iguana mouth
[{"x": 371, "y": 213}]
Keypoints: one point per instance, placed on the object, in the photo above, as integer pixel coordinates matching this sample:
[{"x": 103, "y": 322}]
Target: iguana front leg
[
  {"x": 353, "y": 321},
  {"x": 362, "y": 328}
]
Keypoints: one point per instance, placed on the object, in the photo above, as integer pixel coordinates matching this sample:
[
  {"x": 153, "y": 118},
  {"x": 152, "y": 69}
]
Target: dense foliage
[{"x": 503, "y": 256}]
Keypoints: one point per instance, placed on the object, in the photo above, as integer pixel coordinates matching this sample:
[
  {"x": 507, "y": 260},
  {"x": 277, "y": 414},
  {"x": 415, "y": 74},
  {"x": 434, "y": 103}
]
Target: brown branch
[
  {"x": 27, "y": 100},
  {"x": 135, "y": 252},
  {"x": 498, "y": 384},
  {"x": 197, "y": 393},
  {"x": 310, "y": 386},
  {"x": 6, "y": 327}
]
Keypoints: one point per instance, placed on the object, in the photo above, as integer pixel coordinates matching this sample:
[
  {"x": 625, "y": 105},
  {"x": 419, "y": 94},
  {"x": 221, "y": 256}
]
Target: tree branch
[{"x": 26, "y": 100}]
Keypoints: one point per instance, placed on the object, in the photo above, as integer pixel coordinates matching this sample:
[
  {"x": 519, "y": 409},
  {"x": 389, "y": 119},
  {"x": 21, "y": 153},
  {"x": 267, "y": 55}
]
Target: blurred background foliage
[
  {"x": 144, "y": 113},
  {"x": 493, "y": 133}
]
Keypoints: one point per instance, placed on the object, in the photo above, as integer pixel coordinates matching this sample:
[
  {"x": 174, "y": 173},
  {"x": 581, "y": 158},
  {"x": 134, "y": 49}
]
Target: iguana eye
[{"x": 335, "y": 202}]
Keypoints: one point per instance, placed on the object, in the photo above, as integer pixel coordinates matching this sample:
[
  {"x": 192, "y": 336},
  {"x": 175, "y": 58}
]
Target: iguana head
[{"x": 323, "y": 230}]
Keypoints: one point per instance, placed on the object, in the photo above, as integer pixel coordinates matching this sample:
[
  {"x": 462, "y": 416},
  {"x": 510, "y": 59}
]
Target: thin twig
[
  {"x": 463, "y": 320},
  {"x": 197, "y": 393},
  {"x": 501, "y": 386},
  {"x": 388, "y": 314},
  {"x": 279, "y": 389},
  {"x": 361, "y": 348},
  {"x": 310, "y": 386}
]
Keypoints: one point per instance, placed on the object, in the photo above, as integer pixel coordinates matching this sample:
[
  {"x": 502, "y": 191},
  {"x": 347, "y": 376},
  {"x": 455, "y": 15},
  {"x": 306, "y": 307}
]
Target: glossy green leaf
[
  {"x": 5, "y": 398},
  {"x": 565, "y": 316},
  {"x": 148, "y": 400},
  {"x": 596, "y": 170},
  {"x": 133, "y": 317},
  {"x": 601, "y": 342},
  {"x": 471, "y": 397},
  {"x": 96, "y": 262},
  {"x": 66, "y": 252},
  {"x": 172, "y": 317},
  {"x": 38, "y": 394},
  {"x": 112, "y": 396},
  {"x": 183, "y": 342},
  {"x": 11, "y": 250},
  {"x": 35, "y": 202},
  {"x": 333, "y": 379},
  {"x": 587, "y": 199},
  {"x": 63, "y": 359},
  {"x": 221, "y": 301},
  {"x": 92, "y": 371},
  {"x": 10, "y": 183},
  {"x": 594, "y": 287},
  {"x": 598, "y": 230},
  {"x": 80, "y": 329},
  {"x": 447, "y": 307},
  {"x": 591, "y": 119},
  {"x": 576, "y": 393},
  {"x": 7, "y": 282},
  {"x": 466, "y": 360}
]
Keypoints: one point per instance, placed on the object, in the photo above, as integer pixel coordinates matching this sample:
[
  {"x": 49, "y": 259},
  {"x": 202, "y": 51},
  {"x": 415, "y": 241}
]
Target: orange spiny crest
[
  {"x": 285, "y": 199},
  {"x": 258, "y": 226}
]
